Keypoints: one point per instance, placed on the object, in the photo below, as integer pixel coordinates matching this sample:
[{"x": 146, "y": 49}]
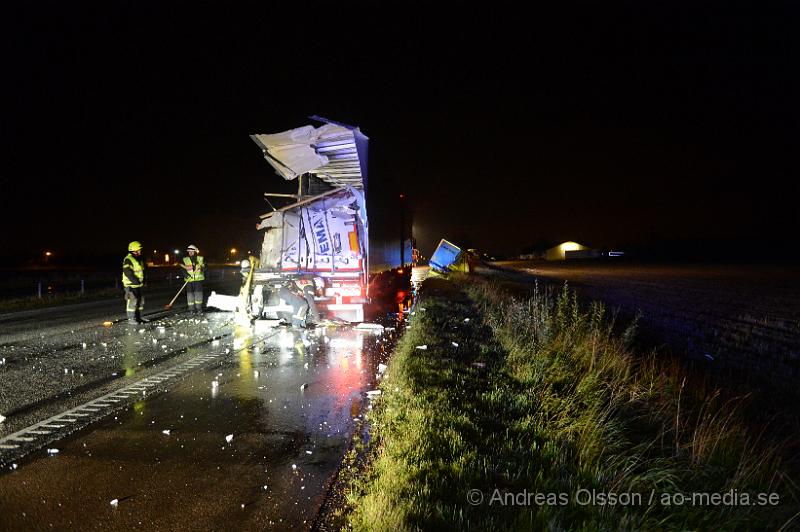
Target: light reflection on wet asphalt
[{"x": 289, "y": 398}]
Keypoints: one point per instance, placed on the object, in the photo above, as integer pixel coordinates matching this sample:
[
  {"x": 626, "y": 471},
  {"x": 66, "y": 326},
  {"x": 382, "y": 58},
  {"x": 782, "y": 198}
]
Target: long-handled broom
[{"x": 169, "y": 306}]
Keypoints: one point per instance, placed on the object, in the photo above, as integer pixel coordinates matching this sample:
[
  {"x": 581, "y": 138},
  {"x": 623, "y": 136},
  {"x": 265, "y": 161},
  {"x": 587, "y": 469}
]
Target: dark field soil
[{"x": 731, "y": 318}]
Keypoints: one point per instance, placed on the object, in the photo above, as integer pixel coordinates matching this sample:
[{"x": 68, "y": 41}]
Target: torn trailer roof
[{"x": 335, "y": 152}]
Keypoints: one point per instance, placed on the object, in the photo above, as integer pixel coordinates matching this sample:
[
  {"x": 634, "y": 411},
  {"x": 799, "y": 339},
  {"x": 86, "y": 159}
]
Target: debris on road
[
  {"x": 454, "y": 344},
  {"x": 422, "y": 347},
  {"x": 2, "y": 418},
  {"x": 303, "y": 386},
  {"x": 114, "y": 502},
  {"x": 370, "y": 327},
  {"x": 52, "y": 451},
  {"x": 166, "y": 431},
  {"x": 229, "y": 438}
]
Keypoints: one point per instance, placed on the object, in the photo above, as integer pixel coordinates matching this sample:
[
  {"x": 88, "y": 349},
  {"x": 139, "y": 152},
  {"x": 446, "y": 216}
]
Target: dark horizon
[{"x": 611, "y": 126}]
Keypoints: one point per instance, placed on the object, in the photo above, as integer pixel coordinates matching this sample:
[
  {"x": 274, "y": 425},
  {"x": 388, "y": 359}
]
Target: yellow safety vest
[
  {"x": 138, "y": 271},
  {"x": 195, "y": 273}
]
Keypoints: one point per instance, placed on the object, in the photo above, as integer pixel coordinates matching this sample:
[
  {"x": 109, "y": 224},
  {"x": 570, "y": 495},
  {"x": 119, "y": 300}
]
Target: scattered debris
[
  {"x": 369, "y": 327},
  {"x": 382, "y": 368},
  {"x": 229, "y": 438},
  {"x": 114, "y": 502},
  {"x": 2, "y": 418},
  {"x": 107, "y": 323},
  {"x": 303, "y": 386},
  {"x": 308, "y": 452},
  {"x": 166, "y": 431},
  {"x": 466, "y": 320},
  {"x": 422, "y": 347},
  {"x": 373, "y": 393},
  {"x": 454, "y": 344},
  {"x": 294, "y": 467},
  {"x": 52, "y": 451}
]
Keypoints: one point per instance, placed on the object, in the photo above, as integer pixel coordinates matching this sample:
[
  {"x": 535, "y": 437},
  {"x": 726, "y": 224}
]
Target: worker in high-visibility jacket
[
  {"x": 194, "y": 273},
  {"x": 133, "y": 278}
]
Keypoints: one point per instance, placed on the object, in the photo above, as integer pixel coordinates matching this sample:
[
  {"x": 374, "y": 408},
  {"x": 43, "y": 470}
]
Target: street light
[{"x": 233, "y": 251}]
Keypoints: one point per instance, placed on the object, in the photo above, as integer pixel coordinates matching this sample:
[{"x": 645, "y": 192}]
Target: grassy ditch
[{"x": 535, "y": 414}]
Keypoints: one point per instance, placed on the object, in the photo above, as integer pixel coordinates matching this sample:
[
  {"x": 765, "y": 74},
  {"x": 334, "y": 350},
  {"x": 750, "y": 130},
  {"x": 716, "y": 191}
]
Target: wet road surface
[
  {"x": 21, "y": 326},
  {"x": 288, "y": 401}
]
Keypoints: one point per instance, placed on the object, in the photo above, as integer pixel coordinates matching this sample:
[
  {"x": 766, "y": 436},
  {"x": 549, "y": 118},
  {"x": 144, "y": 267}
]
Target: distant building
[{"x": 570, "y": 250}]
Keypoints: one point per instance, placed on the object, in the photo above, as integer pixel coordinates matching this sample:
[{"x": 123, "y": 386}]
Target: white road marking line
[{"x": 103, "y": 402}]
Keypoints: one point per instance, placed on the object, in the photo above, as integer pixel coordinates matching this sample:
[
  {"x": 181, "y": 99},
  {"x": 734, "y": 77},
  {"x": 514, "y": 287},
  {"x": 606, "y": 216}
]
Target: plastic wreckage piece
[
  {"x": 422, "y": 347},
  {"x": 370, "y": 327},
  {"x": 223, "y": 302}
]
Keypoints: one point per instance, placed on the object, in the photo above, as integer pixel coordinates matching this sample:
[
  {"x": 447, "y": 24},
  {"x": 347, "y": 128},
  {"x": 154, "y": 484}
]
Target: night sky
[{"x": 612, "y": 126}]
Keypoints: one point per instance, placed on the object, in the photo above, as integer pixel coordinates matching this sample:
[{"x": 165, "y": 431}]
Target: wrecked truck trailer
[{"x": 314, "y": 259}]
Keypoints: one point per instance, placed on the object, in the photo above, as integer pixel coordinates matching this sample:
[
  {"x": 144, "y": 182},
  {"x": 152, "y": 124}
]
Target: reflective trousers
[
  {"x": 134, "y": 302},
  {"x": 194, "y": 295}
]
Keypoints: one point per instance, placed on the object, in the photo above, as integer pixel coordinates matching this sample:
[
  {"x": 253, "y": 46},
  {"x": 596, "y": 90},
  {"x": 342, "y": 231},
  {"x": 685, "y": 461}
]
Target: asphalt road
[{"x": 257, "y": 419}]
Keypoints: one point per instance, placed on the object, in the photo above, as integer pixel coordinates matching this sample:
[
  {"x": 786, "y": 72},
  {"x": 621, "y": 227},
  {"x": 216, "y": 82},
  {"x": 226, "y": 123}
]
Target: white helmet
[{"x": 192, "y": 247}]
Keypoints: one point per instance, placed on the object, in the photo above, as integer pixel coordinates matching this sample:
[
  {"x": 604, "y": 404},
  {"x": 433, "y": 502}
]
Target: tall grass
[{"x": 564, "y": 405}]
